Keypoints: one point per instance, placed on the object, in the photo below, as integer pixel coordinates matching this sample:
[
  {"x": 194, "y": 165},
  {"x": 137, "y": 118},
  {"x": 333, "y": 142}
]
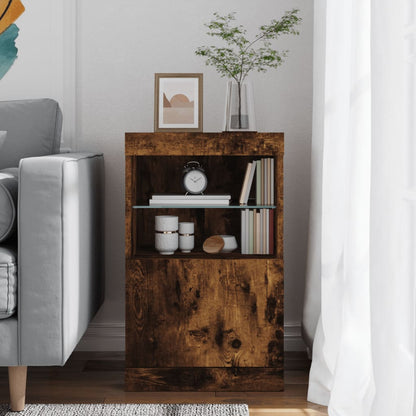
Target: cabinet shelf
[
  {"x": 150, "y": 253},
  {"x": 204, "y": 206}
]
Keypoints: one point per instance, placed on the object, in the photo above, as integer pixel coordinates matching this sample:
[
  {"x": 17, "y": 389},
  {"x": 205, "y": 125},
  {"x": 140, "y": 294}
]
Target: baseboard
[
  {"x": 293, "y": 337},
  {"x": 109, "y": 336},
  {"x": 106, "y": 336}
]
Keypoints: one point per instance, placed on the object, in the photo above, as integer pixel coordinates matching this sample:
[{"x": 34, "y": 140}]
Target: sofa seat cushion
[
  {"x": 8, "y": 281},
  {"x": 8, "y": 202}
]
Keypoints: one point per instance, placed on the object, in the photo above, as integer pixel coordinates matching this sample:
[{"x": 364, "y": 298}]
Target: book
[
  {"x": 272, "y": 183},
  {"x": 261, "y": 236},
  {"x": 258, "y": 182},
  {"x": 188, "y": 197},
  {"x": 271, "y": 231},
  {"x": 245, "y": 183},
  {"x": 258, "y": 233},
  {"x": 251, "y": 232},
  {"x": 265, "y": 181},
  {"x": 249, "y": 182},
  {"x": 243, "y": 232},
  {"x": 269, "y": 182},
  {"x": 262, "y": 182},
  {"x": 209, "y": 202},
  {"x": 254, "y": 236},
  {"x": 266, "y": 232}
]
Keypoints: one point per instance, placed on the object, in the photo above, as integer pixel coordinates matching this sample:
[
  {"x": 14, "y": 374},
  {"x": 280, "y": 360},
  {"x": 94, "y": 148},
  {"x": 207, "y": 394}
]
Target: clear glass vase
[{"x": 239, "y": 107}]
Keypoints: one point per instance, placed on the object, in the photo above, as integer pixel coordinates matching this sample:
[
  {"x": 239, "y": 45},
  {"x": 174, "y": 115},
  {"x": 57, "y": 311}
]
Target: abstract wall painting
[
  {"x": 10, "y": 10},
  {"x": 178, "y": 102}
]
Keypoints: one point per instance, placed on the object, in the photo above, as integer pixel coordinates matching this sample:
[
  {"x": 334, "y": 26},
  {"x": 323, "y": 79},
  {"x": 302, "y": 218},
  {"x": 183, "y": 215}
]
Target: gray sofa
[{"x": 50, "y": 242}]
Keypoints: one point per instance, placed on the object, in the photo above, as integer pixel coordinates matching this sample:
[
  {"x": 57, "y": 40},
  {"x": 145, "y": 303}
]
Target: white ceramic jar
[
  {"x": 186, "y": 237},
  {"x": 230, "y": 243},
  {"x": 166, "y": 234}
]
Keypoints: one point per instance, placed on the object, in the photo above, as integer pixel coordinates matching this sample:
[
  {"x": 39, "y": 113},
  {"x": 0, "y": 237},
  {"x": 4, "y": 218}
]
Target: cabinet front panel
[{"x": 204, "y": 313}]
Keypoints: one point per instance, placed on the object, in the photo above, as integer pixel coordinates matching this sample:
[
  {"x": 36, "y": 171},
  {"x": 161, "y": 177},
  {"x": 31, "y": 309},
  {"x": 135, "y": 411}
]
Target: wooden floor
[{"x": 98, "y": 378}]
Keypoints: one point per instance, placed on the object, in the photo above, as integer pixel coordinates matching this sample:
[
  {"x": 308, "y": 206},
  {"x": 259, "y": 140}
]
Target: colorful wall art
[{"x": 10, "y": 10}]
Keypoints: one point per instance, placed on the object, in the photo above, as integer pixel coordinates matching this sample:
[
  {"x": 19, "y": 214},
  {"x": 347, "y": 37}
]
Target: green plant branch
[{"x": 237, "y": 64}]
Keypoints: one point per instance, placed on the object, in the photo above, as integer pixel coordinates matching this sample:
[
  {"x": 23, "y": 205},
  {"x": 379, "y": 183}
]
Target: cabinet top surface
[{"x": 143, "y": 144}]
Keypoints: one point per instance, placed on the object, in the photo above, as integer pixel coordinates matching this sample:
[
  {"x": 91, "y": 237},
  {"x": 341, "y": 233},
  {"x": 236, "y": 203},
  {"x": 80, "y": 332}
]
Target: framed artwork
[{"x": 178, "y": 102}]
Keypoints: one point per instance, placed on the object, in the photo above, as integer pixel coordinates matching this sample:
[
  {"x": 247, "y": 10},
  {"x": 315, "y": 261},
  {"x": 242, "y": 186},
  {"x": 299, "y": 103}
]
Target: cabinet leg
[{"x": 17, "y": 387}]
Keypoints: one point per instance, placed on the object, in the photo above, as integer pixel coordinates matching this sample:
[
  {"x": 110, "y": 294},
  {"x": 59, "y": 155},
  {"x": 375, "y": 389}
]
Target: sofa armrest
[{"x": 60, "y": 280}]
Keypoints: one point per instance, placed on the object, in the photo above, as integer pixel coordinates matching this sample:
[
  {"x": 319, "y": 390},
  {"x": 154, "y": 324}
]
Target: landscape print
[{"x": 178, "y": 101}]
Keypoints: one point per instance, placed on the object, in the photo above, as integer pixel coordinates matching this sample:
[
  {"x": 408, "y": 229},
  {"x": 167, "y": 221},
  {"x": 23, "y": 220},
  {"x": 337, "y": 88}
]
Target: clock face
[{"x": 195, "y": 182}]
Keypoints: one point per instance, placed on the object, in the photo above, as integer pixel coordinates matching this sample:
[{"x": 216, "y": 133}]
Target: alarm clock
[{"x": 194, "y": 179}]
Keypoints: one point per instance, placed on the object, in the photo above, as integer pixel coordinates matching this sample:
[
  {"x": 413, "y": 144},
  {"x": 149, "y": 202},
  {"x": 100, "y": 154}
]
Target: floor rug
[{"x": 129, "y": 410}]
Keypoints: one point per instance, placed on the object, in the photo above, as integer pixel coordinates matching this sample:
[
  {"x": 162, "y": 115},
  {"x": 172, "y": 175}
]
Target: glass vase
[{"x": 239, "y": 107}]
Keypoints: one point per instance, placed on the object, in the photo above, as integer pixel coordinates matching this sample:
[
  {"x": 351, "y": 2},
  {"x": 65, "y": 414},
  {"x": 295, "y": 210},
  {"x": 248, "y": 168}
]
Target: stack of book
[
  {"x": 190, "y": 200},
  {"x": 257, "y": 231},
  {"x": 263, "y": 169}
]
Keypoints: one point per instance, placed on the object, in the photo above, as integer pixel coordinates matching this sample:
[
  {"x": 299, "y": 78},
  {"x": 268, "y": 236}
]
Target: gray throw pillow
[{"x": 8, "y": 202}]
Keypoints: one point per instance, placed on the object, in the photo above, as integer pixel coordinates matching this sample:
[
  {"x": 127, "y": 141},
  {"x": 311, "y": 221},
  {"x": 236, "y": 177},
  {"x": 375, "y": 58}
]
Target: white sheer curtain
[{"x": 360, "y": 290}]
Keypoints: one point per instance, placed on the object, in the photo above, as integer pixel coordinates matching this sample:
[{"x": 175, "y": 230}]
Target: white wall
[{"x": 120, "y": 45}]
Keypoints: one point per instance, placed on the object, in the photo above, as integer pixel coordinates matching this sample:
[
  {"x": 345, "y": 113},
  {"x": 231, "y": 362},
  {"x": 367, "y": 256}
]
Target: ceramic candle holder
[
  {"x": 166, "y": 234},
  {"x": 186, "y": 237}
]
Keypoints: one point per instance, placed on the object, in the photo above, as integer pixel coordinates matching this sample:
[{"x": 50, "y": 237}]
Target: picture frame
[{"x": 178, "y": 102}]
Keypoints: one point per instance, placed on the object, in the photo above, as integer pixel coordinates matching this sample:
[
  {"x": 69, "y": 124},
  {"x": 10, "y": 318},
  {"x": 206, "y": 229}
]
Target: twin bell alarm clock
[{"x": 193, "y": 178}]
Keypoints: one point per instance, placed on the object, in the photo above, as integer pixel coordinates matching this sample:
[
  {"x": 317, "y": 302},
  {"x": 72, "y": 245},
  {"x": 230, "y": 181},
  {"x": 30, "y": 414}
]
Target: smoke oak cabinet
[{"x": 200, "y": 322}]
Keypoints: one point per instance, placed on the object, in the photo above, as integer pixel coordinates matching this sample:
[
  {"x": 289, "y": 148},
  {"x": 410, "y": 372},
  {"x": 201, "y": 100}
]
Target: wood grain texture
[
  {"x": 204, "y": 379},
  {"x": 217, "y": 313},
  {"x": 129, "y": 202},
  {"x": 213, "y": 322},
  {"x": 213, "y": 144}
]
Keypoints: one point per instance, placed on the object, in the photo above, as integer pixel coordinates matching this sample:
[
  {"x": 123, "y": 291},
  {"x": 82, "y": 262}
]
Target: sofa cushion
[
  {"x": 8, "y": 281},
  {"x": 8, "y": 202},
  {"x": 3, "y": 135},
  {"x": 33, "y": 129}
]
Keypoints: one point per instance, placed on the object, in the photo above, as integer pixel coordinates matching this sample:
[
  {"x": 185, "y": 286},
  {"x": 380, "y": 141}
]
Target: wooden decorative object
[
  {"x": 198, "y": 321},
  {"x": 213, "y": 244}
]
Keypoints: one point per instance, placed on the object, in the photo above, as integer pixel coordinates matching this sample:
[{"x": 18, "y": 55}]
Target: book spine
[
  {"x": 271, "y": 231},
  {"x": 245, "y": 183},
  {"x": 267, "y": 233},
  {"x": 258, "y": 182},
  {"x": 264, "y": 232},
  {"x": 214, "y": 202},
  {"x": 272, "y": 182},
  {"x": 251, "y": 233},
  {"x": 243, "y": 232},
  {"x": 249, "y": 182},
  {"x": 265, "y": 181},
  {"x": 258, "y": 231},
  {"x": 262, "y": 182},
  {"x": 261, "y": 248},
  {"x": 269, "y": 181},
  {"x": 168, "y": 197},
  {"x": 254, "y": 231}
]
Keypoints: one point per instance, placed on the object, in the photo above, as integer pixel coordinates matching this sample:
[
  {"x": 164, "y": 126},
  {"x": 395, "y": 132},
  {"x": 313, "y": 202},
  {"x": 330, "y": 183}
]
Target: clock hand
[{"x": 198, "y": 179}]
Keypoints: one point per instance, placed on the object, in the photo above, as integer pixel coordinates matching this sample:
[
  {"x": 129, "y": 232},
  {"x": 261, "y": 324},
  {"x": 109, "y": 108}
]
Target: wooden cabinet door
[{"x": 206, "y": 314}]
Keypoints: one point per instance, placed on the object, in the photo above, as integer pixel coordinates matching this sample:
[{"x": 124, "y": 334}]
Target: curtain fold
[{"x": 360, "y": 287}]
